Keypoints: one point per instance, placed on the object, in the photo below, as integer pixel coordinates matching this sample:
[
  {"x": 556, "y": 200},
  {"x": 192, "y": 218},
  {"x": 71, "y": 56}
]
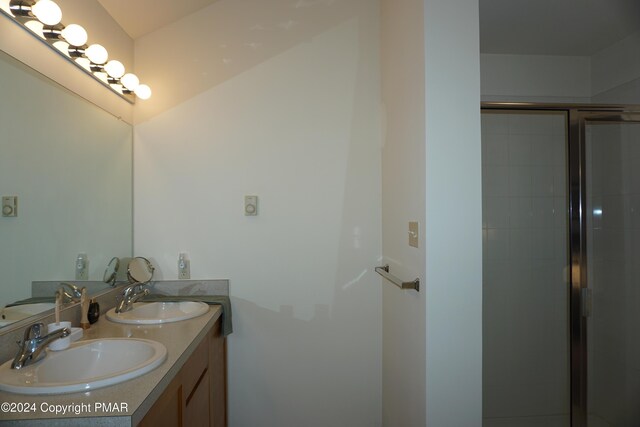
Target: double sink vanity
[{"x": 155, "y": 363}]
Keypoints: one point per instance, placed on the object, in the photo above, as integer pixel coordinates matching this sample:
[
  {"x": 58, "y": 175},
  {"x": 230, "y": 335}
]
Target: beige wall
[
  {"x": 403, "y": 200},
  {"x": 222, "y": 41},
  {"x": 432, "y": 340},
  {"x": 293, "y": 119},
  {"x": 453, "y": 282}
]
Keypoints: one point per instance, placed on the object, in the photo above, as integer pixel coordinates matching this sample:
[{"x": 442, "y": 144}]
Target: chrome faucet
[
  {"x": 33, "y": 343},
  {"x": 73, "y": 294},
  {"x": 131, "y": 294}
]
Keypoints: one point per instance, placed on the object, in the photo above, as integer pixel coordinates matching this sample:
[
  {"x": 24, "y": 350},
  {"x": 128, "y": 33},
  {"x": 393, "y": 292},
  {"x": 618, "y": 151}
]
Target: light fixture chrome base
[
  {"x": 22, "y": 8},
  {"x": 53, "y": 32},
  {"x": 77, "y": 51}
]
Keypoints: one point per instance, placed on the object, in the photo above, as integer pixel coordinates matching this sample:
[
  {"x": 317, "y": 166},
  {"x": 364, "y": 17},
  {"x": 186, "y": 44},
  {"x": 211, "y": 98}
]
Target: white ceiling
[
  {"x": 140, "y": 17},
  {"x": 555, "y": 27},
  {"x": 542, "y": 27}
]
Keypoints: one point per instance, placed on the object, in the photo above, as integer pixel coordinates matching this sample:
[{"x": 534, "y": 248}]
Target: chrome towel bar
[{"x": 384, "y": 272}]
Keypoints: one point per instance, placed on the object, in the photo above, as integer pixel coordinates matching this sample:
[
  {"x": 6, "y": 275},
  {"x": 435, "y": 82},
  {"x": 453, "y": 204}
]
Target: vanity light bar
[{"x": 43, "y": 18}]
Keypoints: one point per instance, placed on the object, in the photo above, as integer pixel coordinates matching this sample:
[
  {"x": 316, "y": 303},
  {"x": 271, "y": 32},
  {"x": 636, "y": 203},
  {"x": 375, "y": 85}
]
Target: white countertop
[{"x": 123, "y": 404}]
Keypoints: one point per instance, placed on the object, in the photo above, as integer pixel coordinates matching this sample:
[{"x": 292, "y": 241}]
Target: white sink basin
[
  {"x": 18, "y": 312},
  {"x": 151, "y": 313},
  {"x": 86, "y": 365},
  {"x": 9, "y": 315}
]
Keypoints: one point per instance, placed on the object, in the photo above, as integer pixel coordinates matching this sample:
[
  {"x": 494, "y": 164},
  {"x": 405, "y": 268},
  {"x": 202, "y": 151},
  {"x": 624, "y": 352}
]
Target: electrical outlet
[
  {"x": 82, "y": 267},
  {"x": 184, "y": 267}
]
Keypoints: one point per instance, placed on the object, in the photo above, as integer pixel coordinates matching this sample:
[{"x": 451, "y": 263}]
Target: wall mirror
[{"x": 69, "y": 163}]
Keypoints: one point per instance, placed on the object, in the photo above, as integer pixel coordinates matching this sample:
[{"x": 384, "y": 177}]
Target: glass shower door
[
  {"x": 525, "y": 289},
  {"x": 612, "y": 311}
]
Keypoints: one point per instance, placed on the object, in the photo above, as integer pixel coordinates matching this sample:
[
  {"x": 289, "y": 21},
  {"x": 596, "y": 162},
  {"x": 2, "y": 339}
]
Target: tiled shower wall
[{"x": 525, "y": 293}]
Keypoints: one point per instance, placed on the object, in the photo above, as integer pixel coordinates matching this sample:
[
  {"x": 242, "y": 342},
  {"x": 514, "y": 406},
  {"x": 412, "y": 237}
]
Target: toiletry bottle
[{"x": 94, "y": 312}]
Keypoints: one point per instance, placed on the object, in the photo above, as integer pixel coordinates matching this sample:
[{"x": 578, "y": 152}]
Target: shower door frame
[{"x": 577, "y": 116}]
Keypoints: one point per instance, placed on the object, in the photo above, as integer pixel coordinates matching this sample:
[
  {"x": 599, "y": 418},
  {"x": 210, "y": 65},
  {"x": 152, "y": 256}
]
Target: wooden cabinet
[
  {"x": 218, "y": 377},
  {"x": 197, "y": 396}
]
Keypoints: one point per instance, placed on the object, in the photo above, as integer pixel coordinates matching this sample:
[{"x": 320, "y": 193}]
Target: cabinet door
[
  {"x": 196, "y": 412},
  {"x": 167, "y": 411},
  {"x": 218, "y": 375},
  {"x": 197, "y": 396}
]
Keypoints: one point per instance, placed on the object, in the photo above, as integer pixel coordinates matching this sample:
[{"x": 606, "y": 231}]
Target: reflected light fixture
[
  {"x": 62, "y": 46},
  {"x": 35, "y": 26},
  {"x": 43, "y": 18},
  {"x": 84, "y": 63}
]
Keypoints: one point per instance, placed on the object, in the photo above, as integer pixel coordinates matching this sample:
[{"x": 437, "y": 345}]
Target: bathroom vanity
[
  {"x": 197, "y": 393},
  {"x": 188, "y": 389}
]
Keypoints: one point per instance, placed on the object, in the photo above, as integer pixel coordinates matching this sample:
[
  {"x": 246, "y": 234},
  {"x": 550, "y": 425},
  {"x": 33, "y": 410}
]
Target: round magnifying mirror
[
  {"x": 112, "y": 270},
  {"x": 140, "y": 270}
]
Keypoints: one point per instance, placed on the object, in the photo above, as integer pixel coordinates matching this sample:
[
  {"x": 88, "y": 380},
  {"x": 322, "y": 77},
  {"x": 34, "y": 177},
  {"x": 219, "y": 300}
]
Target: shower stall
[{"x": 561, "y": 265}]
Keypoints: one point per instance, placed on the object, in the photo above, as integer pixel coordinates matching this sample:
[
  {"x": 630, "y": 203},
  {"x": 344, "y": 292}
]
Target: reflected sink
[
  {"x": 152, "y": 313},
  {"x": 18, "y": 312},
  {"x": 86, "y": 365}
]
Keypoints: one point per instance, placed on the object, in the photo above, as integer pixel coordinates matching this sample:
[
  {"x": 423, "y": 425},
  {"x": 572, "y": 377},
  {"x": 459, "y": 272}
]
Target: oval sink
[
  {"x": 151, "y": 313},
  {"x": 86, "y": 365},
  {"x": 18, "y": 312}
]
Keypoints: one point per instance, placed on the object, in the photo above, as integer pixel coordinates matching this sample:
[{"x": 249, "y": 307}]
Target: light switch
[
  {"x": 250, "y": 205},
  {"x": 9, "y": 206},
  {"x": 414, "y": 233}
]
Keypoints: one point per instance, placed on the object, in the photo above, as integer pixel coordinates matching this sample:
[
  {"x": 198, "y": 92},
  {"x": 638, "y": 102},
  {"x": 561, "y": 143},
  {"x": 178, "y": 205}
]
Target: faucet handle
[{"x": 33, "y": 331}]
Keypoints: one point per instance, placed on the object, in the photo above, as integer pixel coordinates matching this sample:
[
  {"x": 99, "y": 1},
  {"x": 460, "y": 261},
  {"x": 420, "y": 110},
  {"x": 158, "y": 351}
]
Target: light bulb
[
  {"x": 101, "y": 76},
  {"x": 4, "y": 5},
  {"x": 97, "y": 54},
  {"x": 130, "y": 81},
  {"x": 84, "y": 63},
  {"x": 47, "y": 12},
  {"x": 143, "y": 92},
  {"x": 114, "y": 68},
  {"x": 75, "y": 35},
  {"x": 62, "y": 46}
]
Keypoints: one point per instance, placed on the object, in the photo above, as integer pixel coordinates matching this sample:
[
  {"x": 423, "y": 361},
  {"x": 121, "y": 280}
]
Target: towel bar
[{"x": 384, "y": 272}]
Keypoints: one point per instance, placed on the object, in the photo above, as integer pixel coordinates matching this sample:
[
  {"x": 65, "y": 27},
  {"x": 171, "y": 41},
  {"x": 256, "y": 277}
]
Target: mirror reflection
[
  {"x": 140, "y": 270},
  {"x": 67, "y": 165},
  {"x": 111, "y": 273}
]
